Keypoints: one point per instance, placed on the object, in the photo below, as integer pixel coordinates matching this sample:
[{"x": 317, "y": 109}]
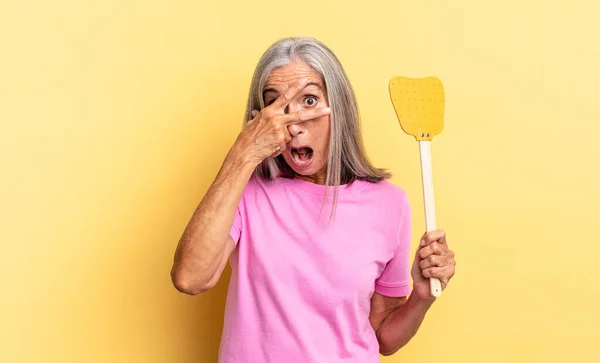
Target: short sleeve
[
  {"x": 394, "y": 281},
  {"x": 236, "y": 228}
]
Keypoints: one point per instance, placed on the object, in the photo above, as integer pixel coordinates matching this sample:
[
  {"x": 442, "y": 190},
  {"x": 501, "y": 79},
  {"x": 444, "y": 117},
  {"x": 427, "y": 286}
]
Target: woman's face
[{"x": 307, "y": 152}]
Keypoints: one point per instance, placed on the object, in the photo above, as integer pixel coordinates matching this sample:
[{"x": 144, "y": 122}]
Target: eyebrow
[{"x": 271, "y": 89}]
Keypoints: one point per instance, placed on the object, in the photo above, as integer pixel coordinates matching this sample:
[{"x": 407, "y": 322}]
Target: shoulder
[
  {"x": 387, "y": 201},
  {"x": 258, "y": 187},
  {"x": 386, "y": 192}
]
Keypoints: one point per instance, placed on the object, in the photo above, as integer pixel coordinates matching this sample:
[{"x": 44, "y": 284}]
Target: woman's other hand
[{"x": 433, "y": 259}]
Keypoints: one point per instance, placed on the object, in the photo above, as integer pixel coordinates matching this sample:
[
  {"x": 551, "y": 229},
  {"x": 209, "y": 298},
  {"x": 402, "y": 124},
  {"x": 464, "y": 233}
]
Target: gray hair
[{"x": 347, "y": 160}]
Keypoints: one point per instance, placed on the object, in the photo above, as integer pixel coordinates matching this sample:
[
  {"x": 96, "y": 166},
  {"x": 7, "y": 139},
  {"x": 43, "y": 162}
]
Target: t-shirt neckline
[{"x": 319, "y": 190}]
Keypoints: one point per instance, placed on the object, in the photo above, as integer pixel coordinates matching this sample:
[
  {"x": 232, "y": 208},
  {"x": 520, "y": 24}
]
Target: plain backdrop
[{"x": 115, "y": 117}]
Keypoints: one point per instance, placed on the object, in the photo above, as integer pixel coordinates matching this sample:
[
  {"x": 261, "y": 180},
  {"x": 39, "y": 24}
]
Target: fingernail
[
  {"x": 422, "y": 242},
  {"x": 326, "y": 109}
]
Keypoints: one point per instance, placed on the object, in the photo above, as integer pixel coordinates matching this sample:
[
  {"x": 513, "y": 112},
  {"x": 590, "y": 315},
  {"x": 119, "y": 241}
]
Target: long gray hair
[{"x": 347, "y": 160}]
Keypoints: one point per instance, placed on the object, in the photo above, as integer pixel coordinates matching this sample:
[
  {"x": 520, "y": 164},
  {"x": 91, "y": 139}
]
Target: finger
[
  {"x": 276, "y": 151},
  {"x": 431, "y": 236},
  {"x": 280, "y": 148},
  {"x": 252, "y": 118},
  {"x": 444, "y": 273},
  {"x": 287, "y": 135},
  {"x": 438, "y": 235},
  {"x": 433, "y": 261},
  {"x": 450, "y": 255},
  {"x": 282, "y": 137},
  {"x": 303, "y": 115},
  {"x": 433, "y": 272},
  {"x": 285, "y": 98},
  {"x": 277, "y": 136},
  {"x": 433, "y": 249}
]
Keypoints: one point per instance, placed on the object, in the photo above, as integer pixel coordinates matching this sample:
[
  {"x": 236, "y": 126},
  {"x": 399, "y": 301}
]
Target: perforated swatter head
[{"x": 419, "y": 105}]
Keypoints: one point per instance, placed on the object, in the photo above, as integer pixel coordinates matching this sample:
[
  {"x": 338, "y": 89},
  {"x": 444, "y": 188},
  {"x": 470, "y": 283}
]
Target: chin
[{"x": 304, "y": 172}]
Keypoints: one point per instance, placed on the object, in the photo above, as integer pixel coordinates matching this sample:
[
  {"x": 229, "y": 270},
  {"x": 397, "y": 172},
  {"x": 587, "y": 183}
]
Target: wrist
[
  {"x": 239, "y": 162},
  {"x": 424, "y": 302}
]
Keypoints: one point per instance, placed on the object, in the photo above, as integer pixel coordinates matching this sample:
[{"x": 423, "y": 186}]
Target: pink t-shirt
[{"x": 300, "y": 289}]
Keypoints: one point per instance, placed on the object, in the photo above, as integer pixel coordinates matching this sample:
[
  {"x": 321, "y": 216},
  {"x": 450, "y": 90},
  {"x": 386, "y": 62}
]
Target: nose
[{"x": 296, "y": 130}]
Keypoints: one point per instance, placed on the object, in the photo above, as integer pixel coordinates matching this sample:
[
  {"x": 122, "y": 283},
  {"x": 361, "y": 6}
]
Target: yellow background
[{"x": 115, "y": 116}]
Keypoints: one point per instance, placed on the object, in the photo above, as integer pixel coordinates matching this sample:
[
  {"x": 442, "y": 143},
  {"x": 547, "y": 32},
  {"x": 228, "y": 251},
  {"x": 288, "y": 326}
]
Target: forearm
[
  {"x": 201, "y": 247},
  {"x": 402, "y": 324}
]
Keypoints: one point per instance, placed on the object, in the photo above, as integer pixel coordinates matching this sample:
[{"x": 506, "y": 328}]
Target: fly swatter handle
[{"x": 426, "y": 173}]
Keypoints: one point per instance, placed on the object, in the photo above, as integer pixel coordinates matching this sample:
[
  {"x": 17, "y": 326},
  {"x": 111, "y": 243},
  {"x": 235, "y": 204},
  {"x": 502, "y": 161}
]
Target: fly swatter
[{"x": 419, "y": 105}]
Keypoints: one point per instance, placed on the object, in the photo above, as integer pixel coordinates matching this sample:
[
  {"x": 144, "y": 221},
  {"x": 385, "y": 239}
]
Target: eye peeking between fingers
[{"x": 310, "y": 101}]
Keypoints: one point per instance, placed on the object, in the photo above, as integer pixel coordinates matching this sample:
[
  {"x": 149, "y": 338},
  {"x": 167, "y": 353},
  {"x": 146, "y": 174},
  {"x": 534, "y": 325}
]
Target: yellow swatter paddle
[{"x": 419, "y": 105}]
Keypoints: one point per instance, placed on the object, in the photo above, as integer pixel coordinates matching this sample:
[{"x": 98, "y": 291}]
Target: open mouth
[{"x": 302, "y": 156}]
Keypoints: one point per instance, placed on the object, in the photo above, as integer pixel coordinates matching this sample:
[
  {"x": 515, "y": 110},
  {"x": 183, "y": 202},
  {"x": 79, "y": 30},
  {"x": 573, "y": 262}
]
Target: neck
[{"x": 318, "y": 178}]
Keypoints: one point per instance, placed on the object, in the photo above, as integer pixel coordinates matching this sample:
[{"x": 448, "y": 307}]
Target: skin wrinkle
[{"x": 310, "y": 133}]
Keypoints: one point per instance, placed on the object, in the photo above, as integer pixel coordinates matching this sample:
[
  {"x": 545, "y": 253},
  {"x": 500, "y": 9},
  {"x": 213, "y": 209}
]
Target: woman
[{"x": 318, "y": 240}]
